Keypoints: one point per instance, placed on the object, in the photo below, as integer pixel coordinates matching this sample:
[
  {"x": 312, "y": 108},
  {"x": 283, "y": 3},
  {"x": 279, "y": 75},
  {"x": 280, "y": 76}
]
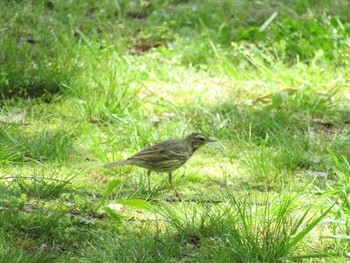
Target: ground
[{"x": 85, "y": 83}]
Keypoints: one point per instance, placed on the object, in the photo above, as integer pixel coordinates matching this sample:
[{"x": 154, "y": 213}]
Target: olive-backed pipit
[{"x": 167, "y": 156}]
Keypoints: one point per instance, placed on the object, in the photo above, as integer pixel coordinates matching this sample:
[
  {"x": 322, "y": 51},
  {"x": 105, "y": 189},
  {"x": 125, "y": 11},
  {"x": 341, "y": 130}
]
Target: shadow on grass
[
  {"x": 40, "y": 235},
  {"x": 32, "y": 70}
]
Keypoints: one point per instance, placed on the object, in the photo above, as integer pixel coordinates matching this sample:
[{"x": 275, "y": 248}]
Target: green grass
[
  {"x": 267, "y": 79},
  {"x": 249, "y": 230}
]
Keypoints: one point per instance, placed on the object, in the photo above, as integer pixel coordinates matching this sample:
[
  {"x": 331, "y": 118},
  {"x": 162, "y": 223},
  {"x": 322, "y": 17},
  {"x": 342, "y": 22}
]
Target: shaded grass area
[
  {"x": 85, "y": 83},
  {"x": 50, "y": 235}
]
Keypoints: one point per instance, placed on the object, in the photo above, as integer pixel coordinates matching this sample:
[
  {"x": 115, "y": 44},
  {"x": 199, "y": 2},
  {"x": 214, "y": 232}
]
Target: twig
[{"x": 34, "y": 178}]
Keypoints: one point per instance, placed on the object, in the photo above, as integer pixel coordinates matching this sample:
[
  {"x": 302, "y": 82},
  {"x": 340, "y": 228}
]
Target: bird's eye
[{"x": 202, "y": 139}]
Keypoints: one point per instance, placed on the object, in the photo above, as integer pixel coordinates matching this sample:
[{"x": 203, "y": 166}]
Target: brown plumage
[{"x": 166, "y": 156}]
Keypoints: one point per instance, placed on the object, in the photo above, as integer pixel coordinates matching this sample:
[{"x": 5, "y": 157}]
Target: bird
[{"x": 166, "y": 156}]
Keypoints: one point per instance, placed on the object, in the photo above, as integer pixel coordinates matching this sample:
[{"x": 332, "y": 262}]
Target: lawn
[{"x": 86, "y": 83}]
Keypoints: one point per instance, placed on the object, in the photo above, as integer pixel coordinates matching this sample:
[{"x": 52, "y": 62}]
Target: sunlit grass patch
[
  {"x": 42, "y": 184},
  {"x": 43, "y": 145}
]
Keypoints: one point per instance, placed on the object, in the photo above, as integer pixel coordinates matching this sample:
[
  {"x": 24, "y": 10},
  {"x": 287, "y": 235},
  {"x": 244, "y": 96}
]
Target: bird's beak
[{"x": 211, "y": 140}]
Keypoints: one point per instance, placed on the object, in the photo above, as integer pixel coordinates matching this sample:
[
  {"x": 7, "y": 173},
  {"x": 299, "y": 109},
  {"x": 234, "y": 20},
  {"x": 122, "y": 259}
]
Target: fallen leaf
[{"x": 146, "y": 47}]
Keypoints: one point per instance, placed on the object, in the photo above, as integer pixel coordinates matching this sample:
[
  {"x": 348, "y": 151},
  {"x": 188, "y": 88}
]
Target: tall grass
[
  {"x": 269, "y": 80},
  {"x": 45, "y": 145},
  {"x": 245, "y": 229}
]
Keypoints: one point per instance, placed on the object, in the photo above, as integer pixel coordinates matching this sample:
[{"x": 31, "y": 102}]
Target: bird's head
[{"x": 197, "y": 140}]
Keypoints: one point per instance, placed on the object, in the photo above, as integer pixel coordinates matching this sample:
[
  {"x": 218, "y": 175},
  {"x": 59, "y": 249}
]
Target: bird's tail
[{"x": 117, "y": 164}]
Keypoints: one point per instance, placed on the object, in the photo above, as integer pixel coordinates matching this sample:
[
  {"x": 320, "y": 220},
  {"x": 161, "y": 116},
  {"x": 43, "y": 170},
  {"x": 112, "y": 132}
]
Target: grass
[
  {"x": 248, "y": 230},
  {"x": 269, "y": 80}
]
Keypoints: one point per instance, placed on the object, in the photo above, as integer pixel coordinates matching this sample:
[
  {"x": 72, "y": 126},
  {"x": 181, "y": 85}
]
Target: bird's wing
[{"x": 163, "y": 151}]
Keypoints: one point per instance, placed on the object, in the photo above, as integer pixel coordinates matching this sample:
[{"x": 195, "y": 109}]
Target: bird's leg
[
  {"x": 170, "y": 179},
  {"x": 177, "y": 194},
  {"x": 148, "y": 180}
]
